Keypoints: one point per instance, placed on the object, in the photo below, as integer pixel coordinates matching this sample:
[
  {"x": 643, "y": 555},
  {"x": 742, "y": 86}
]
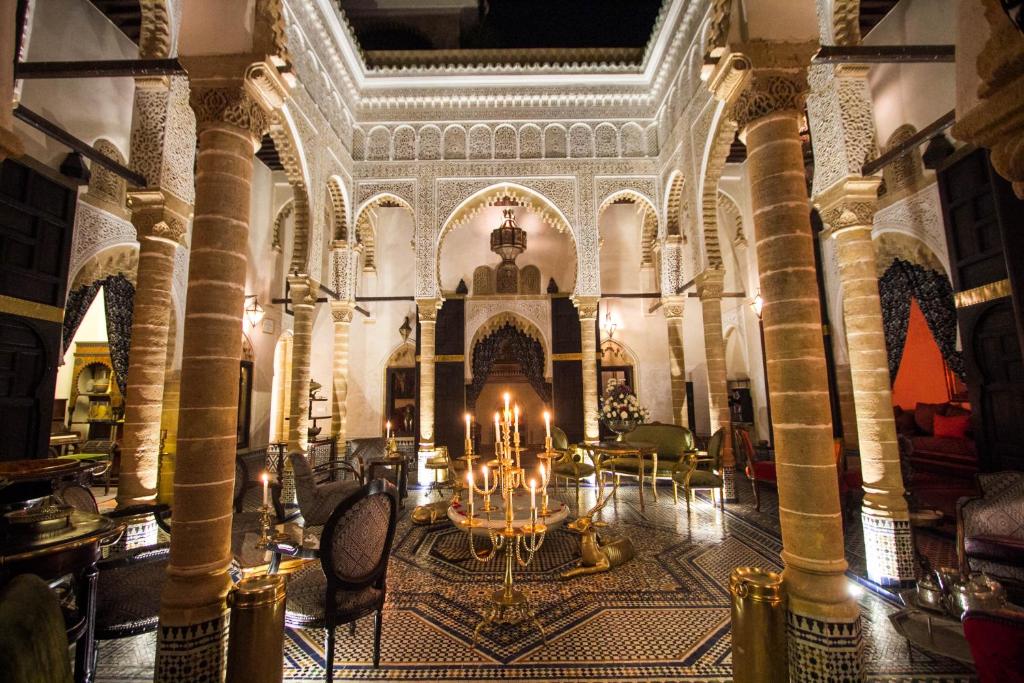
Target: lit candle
[
  {"x": 467, "y": 426},
  {"x": 507, "y": 399},
  {"x": 533, "y": 495},
  {"x": 516, "y": 412},
  {"x": 266, "y": 488},
  {"x": 387, "y": 425},
  {"x": 469, "y": 480},
  {"x": 547, "y": 424},
  {"x": 497, "y": 428}
]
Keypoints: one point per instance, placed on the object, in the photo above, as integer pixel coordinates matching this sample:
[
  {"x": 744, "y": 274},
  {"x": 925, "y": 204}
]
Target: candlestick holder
[
  {"x": 517, "y": 539},
  {"x": 266, "y": 526}
]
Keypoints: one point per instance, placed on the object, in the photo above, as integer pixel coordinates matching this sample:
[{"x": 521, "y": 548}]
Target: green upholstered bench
[{"x": 672, "y": 443}]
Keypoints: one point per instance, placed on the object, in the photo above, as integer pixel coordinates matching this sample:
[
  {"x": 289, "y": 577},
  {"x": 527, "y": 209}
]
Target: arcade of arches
[{"x": 287, "y": 231}]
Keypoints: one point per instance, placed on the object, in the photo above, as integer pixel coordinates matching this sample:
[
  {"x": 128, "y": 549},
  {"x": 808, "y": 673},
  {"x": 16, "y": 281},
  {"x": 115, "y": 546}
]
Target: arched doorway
[{"x": 507, "y": 358}]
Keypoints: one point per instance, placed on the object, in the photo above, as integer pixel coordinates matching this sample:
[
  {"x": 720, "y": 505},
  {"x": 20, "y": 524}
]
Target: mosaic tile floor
[{"x": 664, "y": 616}]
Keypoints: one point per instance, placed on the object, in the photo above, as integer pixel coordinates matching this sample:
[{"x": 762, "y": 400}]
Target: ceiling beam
[
  {"x": 883, "y": 54},
  {"x": 113, "y": 68},
  {"x": 930, "y": 131}
]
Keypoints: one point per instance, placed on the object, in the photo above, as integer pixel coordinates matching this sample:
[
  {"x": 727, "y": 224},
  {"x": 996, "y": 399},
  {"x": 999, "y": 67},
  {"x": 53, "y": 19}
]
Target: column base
[
  {"x": 822, "y": 651},
  {"x": 195, "y": 653},
  {"x": 889, "y": 548},
  {"x": 729, "y": 485}
]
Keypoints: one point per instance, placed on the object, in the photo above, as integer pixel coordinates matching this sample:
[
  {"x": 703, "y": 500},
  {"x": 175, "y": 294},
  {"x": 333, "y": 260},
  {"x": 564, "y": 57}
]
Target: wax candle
[
  {"x": 533, "y": 495},
  {"x": 387, "y": 426},
  {"x": 508, "y": 398},
  {"x": 516, "y": 412},
  {"x": 547, "y": 424},
  {"x": 266, "y": 488},
  {"x": 497, "y": 428},
  {"x": 469, "y": 480},
  {"x": 467, "y": 427}
]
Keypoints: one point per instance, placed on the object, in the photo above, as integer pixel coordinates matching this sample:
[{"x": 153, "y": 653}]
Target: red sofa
[{"x": 939, "y": 453}]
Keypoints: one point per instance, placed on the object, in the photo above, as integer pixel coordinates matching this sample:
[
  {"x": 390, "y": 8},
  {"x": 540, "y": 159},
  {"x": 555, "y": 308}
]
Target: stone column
[
  {"x": 160, "y": 231},
  {"x": 303, "y": 295},
  {"x": 428, "y": 322},
  {"x": 193, "y": 616},
  {"x": 673, "y": 307},
  {"x": 341, "y": 312},
  {"x": 587, "y": 307},
  {"x": 710, "y": 284},
  {"x": 823, "y": 620},
  {"x": 848, "y": 211}
]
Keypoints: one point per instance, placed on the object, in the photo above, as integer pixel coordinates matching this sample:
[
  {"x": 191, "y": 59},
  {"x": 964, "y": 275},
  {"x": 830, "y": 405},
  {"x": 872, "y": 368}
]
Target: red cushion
[
  {"x": 924, "y": 415},
  {"x": 954, "y": 426},
  {"x": 926, "y": 445},
  {"x": 764, "y": 471},
  {"x": 995, "y": 641}
]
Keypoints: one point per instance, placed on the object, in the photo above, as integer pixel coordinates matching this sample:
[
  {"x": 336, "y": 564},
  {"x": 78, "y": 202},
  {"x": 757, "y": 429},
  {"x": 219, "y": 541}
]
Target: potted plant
[{"x": 620, "y": 410}]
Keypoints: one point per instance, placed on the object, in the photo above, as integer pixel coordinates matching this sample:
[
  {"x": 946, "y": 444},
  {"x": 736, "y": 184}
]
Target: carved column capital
[
  {"x": 673, "y": 306},
  {"x": 849, "y": 203},
  {"x": 341, "y": 311},
  {"x": 587, "y": 306},
  {"x": 229, "y": 104},
  {"x": 428, "y": 309},
  {"x": 303, "y": 290},
  {"x": 730, "y": 77},
  {"x": 711, "y": 283},
  {"x": 770, "y": 91},
  {"x": 160, "y": 215}
]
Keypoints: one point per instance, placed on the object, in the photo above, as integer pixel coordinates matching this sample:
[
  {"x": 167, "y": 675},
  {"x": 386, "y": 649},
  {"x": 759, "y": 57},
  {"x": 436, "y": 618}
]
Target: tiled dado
[
  {"x": 824, "y": 652},
  {"x": 889, "y": 549},
  {"x": 193, "y": 654}
]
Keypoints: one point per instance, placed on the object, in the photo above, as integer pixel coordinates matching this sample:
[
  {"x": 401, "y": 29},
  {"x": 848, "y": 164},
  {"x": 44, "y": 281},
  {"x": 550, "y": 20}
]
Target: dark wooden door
[
  {"x": 983, "y": 222},
  {"x": 450, "y": 377},
  {"x": 37, "y": 214},
  {"x": 566, "y": 368}
]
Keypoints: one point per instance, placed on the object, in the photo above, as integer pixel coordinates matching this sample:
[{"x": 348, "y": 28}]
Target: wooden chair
[
  {"x": 696, "y": 472},
  {"x": 350, "y": 581},
  {"x": 569, "y": 464},
  {"x": 757, "y": 471}
]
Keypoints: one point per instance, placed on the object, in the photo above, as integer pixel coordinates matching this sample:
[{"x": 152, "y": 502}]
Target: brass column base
[{"x": 509, "y": 606}]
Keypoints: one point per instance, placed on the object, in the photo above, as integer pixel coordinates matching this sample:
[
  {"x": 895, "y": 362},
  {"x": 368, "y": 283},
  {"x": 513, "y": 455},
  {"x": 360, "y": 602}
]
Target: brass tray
[{"x": 43, "y": 468}]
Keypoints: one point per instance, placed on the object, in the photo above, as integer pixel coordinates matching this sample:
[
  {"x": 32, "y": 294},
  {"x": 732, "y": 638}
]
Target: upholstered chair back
[
  {"x": 559, "y": 441},
  {"x": 715, "y": 450},
  {"x": 305, "y": 484},
  {"x": 356, "y": 540},
  {"x": 671, "y": 440}
]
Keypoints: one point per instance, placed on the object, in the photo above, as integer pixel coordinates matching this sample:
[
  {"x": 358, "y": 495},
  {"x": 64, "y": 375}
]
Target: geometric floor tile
[{"x": 663, "y": 616}]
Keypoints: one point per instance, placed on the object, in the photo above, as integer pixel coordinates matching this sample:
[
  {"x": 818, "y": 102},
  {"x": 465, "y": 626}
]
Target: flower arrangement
[{"x": 619, "y": 404}]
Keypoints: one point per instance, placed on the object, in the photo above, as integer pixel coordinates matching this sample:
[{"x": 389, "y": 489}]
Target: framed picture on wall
[{"x": 400, "y": 405}]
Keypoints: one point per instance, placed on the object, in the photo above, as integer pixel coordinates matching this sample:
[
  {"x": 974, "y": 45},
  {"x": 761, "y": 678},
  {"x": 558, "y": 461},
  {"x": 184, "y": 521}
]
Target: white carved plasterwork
[
  {"x": 343, "y": 267},
  {"x": 94, "y": 231},
  {"x": 179, "y": 150},
  {"x": 842, "y": 123},
  {"x": 671, "y": 266},
  {"x": 404, "y": 189},
  {"x": 605, "y": 189},
  {"x": 535, "y": 309},
  {"x": 918, "y": 215}
]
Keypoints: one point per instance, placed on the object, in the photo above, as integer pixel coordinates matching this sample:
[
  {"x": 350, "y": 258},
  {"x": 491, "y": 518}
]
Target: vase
[{"x": 621, "y": 427}]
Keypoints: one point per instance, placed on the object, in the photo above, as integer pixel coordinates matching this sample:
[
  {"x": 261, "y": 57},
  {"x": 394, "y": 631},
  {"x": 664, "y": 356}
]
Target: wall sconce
[
  {"x": 609, "y": 326},
  {"x": 405, "y": 330},
  {"x": 253, "y": 312},
  {"x": 757, "y": 304}
]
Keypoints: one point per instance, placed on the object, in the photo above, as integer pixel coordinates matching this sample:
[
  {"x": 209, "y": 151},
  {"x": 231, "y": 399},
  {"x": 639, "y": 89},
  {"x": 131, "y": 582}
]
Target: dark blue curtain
[
  {"x": 527, "y": 350},
  {"x": 904, "y": 281},
  {"x": 75, "y": 309},
  {"x": 118, "y": 302}
]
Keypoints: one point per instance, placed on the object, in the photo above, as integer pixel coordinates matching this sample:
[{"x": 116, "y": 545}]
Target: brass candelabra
[{"x": 517, "y": 539}]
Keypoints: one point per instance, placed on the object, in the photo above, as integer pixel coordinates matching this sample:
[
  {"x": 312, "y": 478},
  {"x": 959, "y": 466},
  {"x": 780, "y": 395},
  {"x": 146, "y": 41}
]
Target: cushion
[
  {"x": 924, "y": 416},
  {"x": 700, "y": 479},
  {"x": 954, "y": 426},
  {"x": 671, "y": 441},
  {"x": 764, "y": 471},
  {"x": 1004, "y": 549},
  {"x": 954, "y": 410},
  {"x": 306, "y": 598},
  {"x": 572, "y": 469},
  {"x": 995, "y": 644},
  {"x": 941, "y": 445},
  {"x": 905, "y": 423},
  {"x": 632, "y": 465}
]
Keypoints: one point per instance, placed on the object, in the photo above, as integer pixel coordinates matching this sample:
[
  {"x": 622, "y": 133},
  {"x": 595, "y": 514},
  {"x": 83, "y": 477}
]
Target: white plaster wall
[
  {"x": 264, "y": 278},
  {"x": 88, "y": 108},
  {"x": 917, "y": 94},
  {"x": 373, "y": 339},
  {"x": 92, "y": 329}
]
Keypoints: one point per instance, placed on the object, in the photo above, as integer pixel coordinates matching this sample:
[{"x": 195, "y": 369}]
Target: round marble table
[{"x": 495, "y": 519}]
